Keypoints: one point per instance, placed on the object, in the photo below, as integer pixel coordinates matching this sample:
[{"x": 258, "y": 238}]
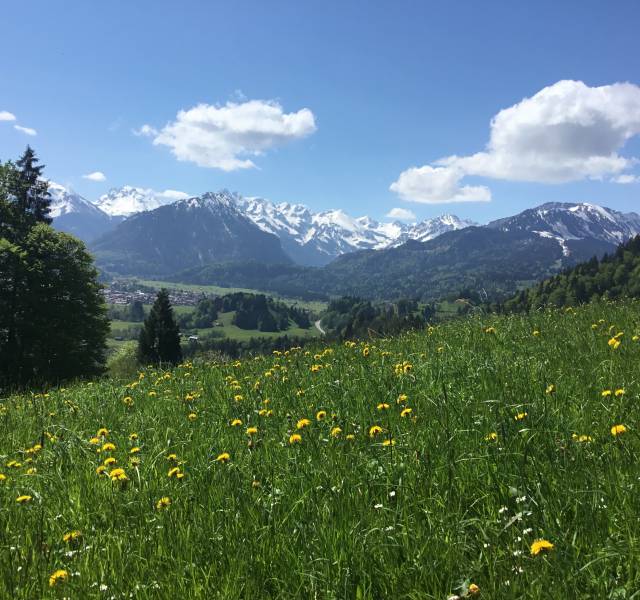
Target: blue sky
[{"x": 388, "y": 86}]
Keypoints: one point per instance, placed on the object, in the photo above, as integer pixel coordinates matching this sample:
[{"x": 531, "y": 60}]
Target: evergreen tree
[
  {"x": 159, "y": 340},
  {"x": 31, "y": 191},
  {"x": 136, "y": 311},
  {"x": 53, "y": 323}
]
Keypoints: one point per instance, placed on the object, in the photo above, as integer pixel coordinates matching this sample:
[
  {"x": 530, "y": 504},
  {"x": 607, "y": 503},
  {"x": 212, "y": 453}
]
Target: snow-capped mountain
[
  {"x": 186, "y": 234},
  {"x": 129, "y": 200},
  {"x": 567, "y": 223},
  {"x": 76, "y": 215},
  {"x": 317, "y": 238}
]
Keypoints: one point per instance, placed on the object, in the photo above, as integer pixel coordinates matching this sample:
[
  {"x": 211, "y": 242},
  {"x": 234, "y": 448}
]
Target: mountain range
[{"x": 308, "y": 238}]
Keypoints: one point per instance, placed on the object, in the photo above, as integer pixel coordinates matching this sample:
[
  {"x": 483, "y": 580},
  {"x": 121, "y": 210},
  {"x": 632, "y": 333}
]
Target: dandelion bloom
[
  {"x": 366, "y": 351},
  {"x": 521, "y": 416},
  {"x": 164, "y": 502},
  {"x": 550, "y": 389},
  {"x": 540, "y": 546},
  {"x": 173, "y": 471},
  {"x": 491, "y": 437},
  {"x": 606, "y": 393},
  {"x": 238, "y": 397},
  {"x": 302, "y": 423},
  {"x": 192, "y": 416},
  {"x": 108, "y": 447},
  {"x": 109, "y": 461},
  {"x": 614, "y": 342},
  {"x": 223, "y": 457},
  {"x": 617, "y": 430},
  {"x": 473, "y": 589},
  {"x": 118, "y": 475},
  {"x": 101, "y": 470},
  {"x": 490, "y": 330},
  {"x": 24, "y": 499},
  {"x": 94, "y": 441},
  {"x": 336, "y": 431},
  {"x": 536, "y": 333},
  {"x": 295, "y": 438},
  {"x": 102, "y": 432},
  {"x": 236, "y": 422},
  {"x": 172, "y": 457},
  {"x": 134, "y": 450},
  {"x": 320, "y": 415},
  {"x": 406, "y": 412},
  {"x": 375, "y": 430},
  {"x": 71, "y": 536},
  {"x": 383, "y": 406},
  {"x": 252, "y": 430},
  {"x": 402, "y": 398},
  {"x": 351, "y": 436},
  {"x": 389, "y": 442},
  {"x": 133, "y": 436},
  {"x": 619, "y": 392},
  {"x": 59, "y": 576},
  {"x": 3, "y": 477},
  {"x": 581, "y": 438}
]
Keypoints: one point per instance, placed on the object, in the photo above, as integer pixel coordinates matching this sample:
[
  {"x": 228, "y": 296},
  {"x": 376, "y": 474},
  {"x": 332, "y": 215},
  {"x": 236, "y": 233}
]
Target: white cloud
[
  {"x": 26, "y": 130},
  {"x": 566, "y": 132},
  {"x": 5, "y": 115},
  {"x": 145, "y": 131},
  {"x": 95, "y": 176},
  {"x": 224, "y": 137},
  {"x": 403, "y": 214},
  {"x": 173, "y": 194},
  {"x": 624, "y": 179}
]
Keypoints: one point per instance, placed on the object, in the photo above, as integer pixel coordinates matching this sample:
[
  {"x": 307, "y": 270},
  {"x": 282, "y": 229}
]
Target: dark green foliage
[
  {"x": 53, "y": 323},
  {"x": 159, "y": 340},
  {"x": 136, "y": 311},
  {"x": 351, "y": 317},
  {"x": 212, "y": 343},
  {"x": 614, "y": 276},
  {"x": 488, "y": 261}
]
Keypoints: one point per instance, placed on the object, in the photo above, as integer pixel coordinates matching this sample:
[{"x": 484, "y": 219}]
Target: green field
[
  {"x": 312, "y": 305},
  {"x": 409, "y": 467}
]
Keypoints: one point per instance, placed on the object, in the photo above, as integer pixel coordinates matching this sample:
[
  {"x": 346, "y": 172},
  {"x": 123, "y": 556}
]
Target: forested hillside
[{"x": 614, "y": 276}]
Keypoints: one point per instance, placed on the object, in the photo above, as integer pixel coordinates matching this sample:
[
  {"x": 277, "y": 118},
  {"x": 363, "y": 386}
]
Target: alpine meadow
[{"x": 320, "y": 300}]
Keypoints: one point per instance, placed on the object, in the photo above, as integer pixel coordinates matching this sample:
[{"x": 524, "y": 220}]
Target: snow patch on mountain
[
  {"x": 65, "y": 201},
  {"x": 129, "y": 200}
]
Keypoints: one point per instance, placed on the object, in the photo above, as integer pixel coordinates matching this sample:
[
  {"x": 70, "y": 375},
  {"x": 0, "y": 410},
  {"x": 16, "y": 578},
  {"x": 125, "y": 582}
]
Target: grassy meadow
[{"x": 423, "y": 466}]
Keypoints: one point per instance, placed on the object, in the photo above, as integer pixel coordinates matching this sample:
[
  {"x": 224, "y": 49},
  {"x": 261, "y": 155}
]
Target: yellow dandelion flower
[
  {"x": 383, "y": 406},
  {"x": 118, "y": 475},
  {"x": 3, "y": 477},
  {"x": 581, "y": 438},
  {"x": 617, "y": 430},
  {"x": 133, "y": 436},
  {"x": 134, "y": 450},
  {"x": 321, "y": 415},
  {"x": 252, "y": 430},
  {"x": 94, "y": 441},
  {"x": 172, "y": 457},
  {"x": 57, "y": 577},
  {"x": 350, "y": 436},
  {"x": 24, "y": 499},
  {"x": 192, "y": 416},
  {"x": 101, "y": 470},
  {"x": 236, "y": 422},
  {"x": 389, "y": 442},
  {"x": 102, "y": 432},
  {"x": 536, "y": 333},
  {"x": 491, "y": 437},
  {"x": 295, "y": 438},
  {"x": 302, "y": 423},
  {"x": 223, "y": 457},
  {"x": 238, "y": 397},
  {"x": 521, "y": 416},
  {"x": 606, "y": 393},
  {"x": 490, "y": 330},
  {"x": 614, "y": 343},
  {"x": 402, "y": 399},
  {"x": 540, "y": 546},
  {"x": 336, "y": 431},
  {"x": 71, "y": 536},
  {"x": 375, "y": 430},
  {"x": 619, "y": 392},
  {"x": 406, "y": 412},
  {"x": 550, "y": 389},
  {"x": 366, "y": 351},
  {"x": 173, "y": 471},
  {"x": 108, "y": 447},
  {"x": 163, "y": 503},
  {"x": 109, "y": 461},
  {"x": 473, "y": 589}
]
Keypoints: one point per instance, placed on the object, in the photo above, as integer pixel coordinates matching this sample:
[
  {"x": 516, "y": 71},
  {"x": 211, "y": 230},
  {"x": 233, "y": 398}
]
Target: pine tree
[
  {"x": 159, "y": 340},
  {"x": 31, "y": 191}
]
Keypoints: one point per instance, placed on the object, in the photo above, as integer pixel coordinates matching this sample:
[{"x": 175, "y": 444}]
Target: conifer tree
[
  {"x": 31, "y": 191},
  {"x": 159, "y": 340}
]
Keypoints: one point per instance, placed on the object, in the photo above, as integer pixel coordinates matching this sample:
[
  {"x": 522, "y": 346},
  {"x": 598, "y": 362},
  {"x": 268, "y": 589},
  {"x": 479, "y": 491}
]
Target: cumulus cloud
[
  {"x": 403, "y": 214},
  {"x": 5, "y": 115},
  {"x": 26, "y": 130},
  {"x": 566, "y": 132},
  {"x": 95, "y": 176},
  {"x": 225, "y": 137},
  {"x": 624, "y": 179},
  {"x": 173, "y": 194}
]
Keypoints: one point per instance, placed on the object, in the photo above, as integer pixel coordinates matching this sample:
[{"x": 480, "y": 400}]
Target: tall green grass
[{"x": 441, "y": 506}]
